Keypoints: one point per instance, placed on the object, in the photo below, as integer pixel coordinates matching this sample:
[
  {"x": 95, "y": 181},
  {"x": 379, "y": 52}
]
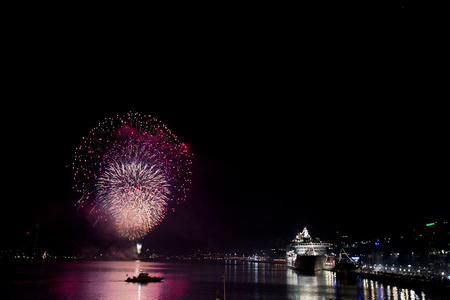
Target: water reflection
[
  {"x": 311, "y": 285},
  {"x": 325, "y": 285},
  {"x": 199, "y": 280},
  {"x": 375, "y": 290},
  {"x": 99, "y": 280}
]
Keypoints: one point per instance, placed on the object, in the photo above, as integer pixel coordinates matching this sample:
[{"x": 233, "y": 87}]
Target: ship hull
[
  {"x": 347, "y": 270},
  {"x": 309, "y": 262}
]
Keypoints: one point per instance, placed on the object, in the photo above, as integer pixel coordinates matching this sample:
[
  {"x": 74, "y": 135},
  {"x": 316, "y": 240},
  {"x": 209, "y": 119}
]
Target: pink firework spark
[{"x": 129, "y": 169}]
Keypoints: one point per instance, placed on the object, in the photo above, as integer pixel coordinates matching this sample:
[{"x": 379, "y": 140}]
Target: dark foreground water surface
[{"x": 186, "y": 280}]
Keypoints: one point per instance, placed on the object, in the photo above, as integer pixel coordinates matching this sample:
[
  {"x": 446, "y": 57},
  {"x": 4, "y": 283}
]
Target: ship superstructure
[{"x": 306, "y": 254}]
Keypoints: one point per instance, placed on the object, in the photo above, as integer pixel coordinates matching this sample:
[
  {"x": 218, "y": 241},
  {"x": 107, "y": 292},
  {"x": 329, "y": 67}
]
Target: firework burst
[{"x": 129, "y": 169}]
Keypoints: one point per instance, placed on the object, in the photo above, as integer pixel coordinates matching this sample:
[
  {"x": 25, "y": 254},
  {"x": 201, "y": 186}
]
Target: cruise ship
[{"x": 305, "y": 254}]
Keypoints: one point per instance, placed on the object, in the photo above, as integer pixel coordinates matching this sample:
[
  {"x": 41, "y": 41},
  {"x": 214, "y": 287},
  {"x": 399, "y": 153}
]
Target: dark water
[{"x": 185, "y": 280}]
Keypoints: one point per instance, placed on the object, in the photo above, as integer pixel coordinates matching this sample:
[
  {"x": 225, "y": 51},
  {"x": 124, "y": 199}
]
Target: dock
[{"x": 408, "y": 278}]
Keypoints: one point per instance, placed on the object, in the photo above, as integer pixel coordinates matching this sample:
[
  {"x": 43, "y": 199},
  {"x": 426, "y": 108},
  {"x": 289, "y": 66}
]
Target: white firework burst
[{"x": 135, "y": 193}]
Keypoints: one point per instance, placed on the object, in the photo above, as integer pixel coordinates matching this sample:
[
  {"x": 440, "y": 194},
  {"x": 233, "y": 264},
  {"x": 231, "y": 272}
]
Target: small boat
[{"x": 144, "y": 277}]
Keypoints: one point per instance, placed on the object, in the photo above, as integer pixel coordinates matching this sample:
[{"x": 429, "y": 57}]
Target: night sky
[{"x": 336, "y": 137}]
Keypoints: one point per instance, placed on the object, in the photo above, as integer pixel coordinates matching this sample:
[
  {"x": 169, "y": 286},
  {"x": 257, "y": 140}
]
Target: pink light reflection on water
[
  {"x": 173, "y": 289},
  {"x": 183, "y": 280},
  {"x": 106, "y": 280},
  {"x": 66, "y": 285}
]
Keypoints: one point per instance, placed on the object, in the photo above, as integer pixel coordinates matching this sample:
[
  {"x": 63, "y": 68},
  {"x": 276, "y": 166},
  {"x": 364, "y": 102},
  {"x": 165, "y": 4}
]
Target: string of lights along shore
[{"x": 129, "y": 170}]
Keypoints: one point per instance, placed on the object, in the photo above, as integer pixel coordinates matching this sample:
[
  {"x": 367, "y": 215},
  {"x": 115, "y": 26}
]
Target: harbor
[{"x": 407, "y": 277}]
